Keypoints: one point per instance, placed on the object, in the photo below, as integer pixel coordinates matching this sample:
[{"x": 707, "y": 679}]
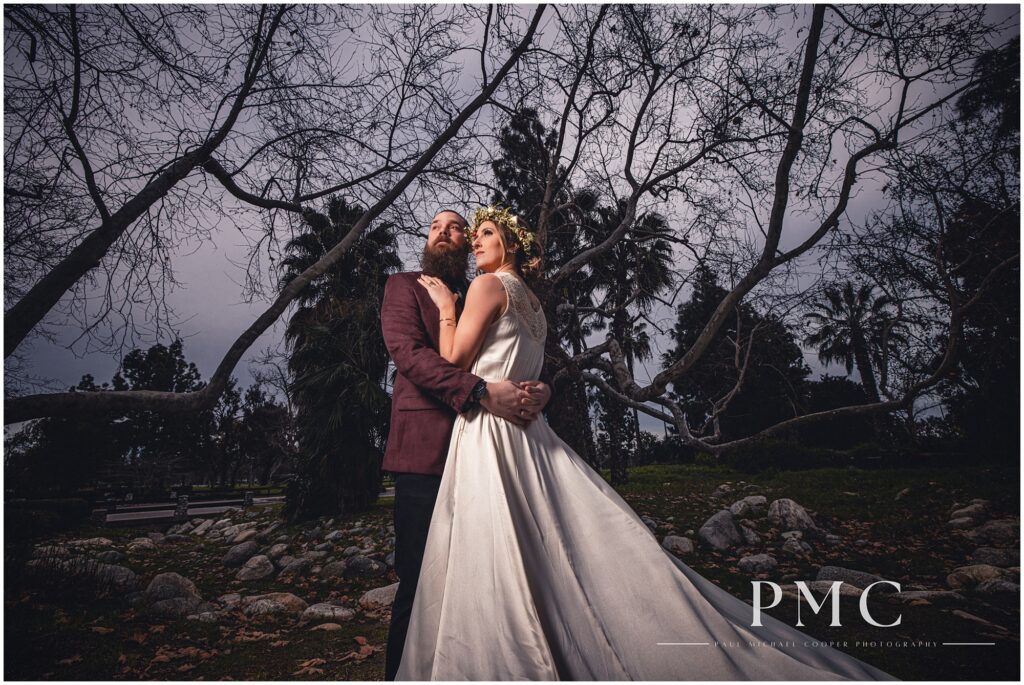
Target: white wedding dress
[{"x": 536, "y": 569}]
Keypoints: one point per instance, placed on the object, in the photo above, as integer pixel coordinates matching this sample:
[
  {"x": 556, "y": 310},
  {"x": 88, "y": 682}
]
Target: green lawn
[{"x": 54, "y": 633}]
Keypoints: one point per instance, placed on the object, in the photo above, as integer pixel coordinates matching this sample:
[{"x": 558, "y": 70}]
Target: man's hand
[
  {"x": 536, "y": 397},
  {"x": 519, "y": 403}
]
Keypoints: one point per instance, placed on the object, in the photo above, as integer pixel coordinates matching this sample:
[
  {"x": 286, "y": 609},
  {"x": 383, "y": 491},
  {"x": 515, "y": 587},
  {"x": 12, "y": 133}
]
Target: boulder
[
  {"x": 993, "y": 556},
  {"x": 720, "y": 532},
  {"x": 751, "y": 505},
  {"x": 364, "y": 567},
  {"x": 650, "y": 523},
  {"x": 961, "y": 523},
  {"x": 101, "y": 576},
  {"x": 334, "y": 536},
  {"x": 268, "y": 531},
  {"x": 273, "y": 603},
  {"x": 938, "y": 597},
  {"x": 230, "y": 600},
  {"x": 90, "y": 543},
  {"x": 139, "y": 545},
  {"x": 244, "y": 536},
  {"x": 327, "y": 627},
  {"x": 231, "y": 532},
  {"x": 241, "y": 553},
  {"x": 390, "y": 560},
  {"x": 172, "y": 595},
  {"x": 157, "y": 538},
  {"x": 204, "y": 526},
  {"x": 723, "y": 490},
  {"x": 168, "y": 585},
  {"x": 750, "y": 538},
  {"x": 995, "y": 586},
  {"x": 111, "y": 556},
  {"x": 297, "y": 567},
  {"x": 52, "y": 552},
  {"x": 757, "y": 563},
  {"x": 787, "y": 514},
  {"x": 181, "y": 529},
  {"x": 335, "y": 569},
  {"x": 977, "y": 512},
  {"x": 853, "y": 577},
  {"x": 1002, "y": 532},
  {"x": 327, "y": 612},
  {"x": 351, "y": 551},
  {"x": 256, "y": 568},
  {"x": 204, "y": 617},
  {"x": 379, "y": 597},
  {"x": 176, "y": 607},
  {"x": 276, "y": 551},
  {"x": 119, "y": 578},
  {"x": 822, "y": 587},
  {"x": 796, "y": 548},
  {"x": 218, "y": 526},
  {"x": 678, "y": 545},
  {"x": 967, "y": 577}
]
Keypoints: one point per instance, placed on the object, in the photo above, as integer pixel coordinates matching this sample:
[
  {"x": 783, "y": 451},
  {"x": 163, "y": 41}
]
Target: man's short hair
[{"x": 465, "y": 223}]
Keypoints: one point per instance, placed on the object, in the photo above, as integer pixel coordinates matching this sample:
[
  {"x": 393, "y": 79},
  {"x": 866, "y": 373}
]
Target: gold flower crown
[{"x": 503, "y": 217}]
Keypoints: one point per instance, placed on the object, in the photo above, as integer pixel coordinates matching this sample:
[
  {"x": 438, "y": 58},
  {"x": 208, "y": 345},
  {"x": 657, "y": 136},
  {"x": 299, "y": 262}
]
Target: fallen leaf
[
  {"x": 184, "y": 668},
  {"x": 101, "y": 630},
  {"x": 279, "y": 643},
  {"x": 309, "y": 671},
  {"x": 70, "y": 660},
  {"x": 327, "y": 626}
]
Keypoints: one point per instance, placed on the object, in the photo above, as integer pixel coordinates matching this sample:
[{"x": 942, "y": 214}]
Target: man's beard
[{"x": 447, "y": 263}]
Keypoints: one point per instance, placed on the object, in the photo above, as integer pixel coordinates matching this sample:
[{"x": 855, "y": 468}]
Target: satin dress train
[{"x": 536, "y": 569}]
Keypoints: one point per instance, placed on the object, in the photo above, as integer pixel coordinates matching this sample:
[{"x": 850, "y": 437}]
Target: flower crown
[{"x": 503, "y": 217}]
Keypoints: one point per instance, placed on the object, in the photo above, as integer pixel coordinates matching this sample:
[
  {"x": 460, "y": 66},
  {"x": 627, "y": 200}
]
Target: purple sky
[{"x": 213, "y": 312}]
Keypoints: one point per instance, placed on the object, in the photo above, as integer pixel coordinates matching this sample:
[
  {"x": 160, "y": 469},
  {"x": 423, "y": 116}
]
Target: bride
[{"x": 535, "y": 568}]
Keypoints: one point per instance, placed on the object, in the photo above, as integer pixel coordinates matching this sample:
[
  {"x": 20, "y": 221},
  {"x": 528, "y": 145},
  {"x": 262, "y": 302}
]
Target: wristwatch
[{"x": 476, "y": 395}]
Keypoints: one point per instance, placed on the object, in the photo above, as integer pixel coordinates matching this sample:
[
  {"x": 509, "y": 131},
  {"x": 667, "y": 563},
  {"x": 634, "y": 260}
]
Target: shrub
[{"x": 782, "y": 455}]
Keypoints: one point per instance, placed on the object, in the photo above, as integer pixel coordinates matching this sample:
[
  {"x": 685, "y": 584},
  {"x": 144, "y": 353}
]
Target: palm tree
[
  {"x": 521, "y": 171},
  {"x": 850, "y": 326},
  {"x": 629, "y": 276},
  {"x": 339, "y": 365}
]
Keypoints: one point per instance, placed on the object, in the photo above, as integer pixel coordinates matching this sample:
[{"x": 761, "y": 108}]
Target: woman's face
[{"x": 488, "y": 249}]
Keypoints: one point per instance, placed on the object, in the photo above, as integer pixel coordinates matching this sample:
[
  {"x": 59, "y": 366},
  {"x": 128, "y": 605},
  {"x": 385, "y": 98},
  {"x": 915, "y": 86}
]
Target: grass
[{"x": 55, "y": 633}]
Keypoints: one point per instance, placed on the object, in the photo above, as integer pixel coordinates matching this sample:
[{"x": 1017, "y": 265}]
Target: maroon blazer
[{"x": 429, "y": 391}]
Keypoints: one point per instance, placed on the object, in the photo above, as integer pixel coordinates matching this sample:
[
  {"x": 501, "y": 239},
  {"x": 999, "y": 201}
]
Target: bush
[
  {"x": 781, "y": 455},
  {"x": 70, "y": 511}
]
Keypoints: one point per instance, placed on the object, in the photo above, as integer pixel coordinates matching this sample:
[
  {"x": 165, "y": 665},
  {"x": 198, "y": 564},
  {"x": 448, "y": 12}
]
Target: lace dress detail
[{"x": 519, "y": 300}]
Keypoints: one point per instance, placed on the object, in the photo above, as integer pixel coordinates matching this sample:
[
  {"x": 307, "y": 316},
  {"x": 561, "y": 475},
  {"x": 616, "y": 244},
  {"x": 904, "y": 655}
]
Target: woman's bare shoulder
[
  {"x": 487, "y": 284},
  {"x": 488, "y": 292}
]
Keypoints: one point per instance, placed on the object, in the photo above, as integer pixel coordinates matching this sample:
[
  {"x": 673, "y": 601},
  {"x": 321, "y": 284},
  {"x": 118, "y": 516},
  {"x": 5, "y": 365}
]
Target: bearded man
[{"x": 428, "y": 394}]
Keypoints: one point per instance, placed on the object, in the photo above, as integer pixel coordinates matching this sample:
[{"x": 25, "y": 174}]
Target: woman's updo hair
[{"x": 514, "y": 232}]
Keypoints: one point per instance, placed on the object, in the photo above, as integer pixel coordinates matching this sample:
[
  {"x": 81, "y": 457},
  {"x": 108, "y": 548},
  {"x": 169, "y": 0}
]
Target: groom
[{"x": 427, "y": 395}]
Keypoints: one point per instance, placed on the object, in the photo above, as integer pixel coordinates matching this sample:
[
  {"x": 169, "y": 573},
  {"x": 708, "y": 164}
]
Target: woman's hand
[{"x": 440, "y": 294}]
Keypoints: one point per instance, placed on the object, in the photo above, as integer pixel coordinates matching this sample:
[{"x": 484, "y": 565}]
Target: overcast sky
[{"x": 213, "y": 313}]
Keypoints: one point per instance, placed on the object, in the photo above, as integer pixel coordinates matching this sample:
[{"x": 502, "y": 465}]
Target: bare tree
[
  {"x": 403, "y": 95},
  {"x": 751, "y": 129},
  {"x": 761, "y": 148}
]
